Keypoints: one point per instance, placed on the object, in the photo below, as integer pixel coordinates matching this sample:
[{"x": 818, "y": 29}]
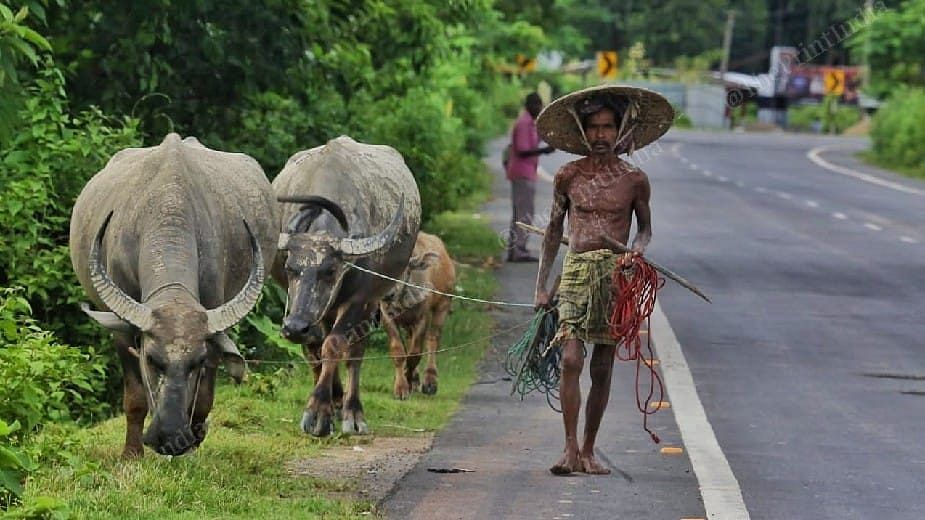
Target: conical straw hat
[{"x": 650, "y": 116}]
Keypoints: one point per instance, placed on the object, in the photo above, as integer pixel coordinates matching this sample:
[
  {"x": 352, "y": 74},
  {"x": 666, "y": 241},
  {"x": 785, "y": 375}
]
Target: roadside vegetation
[{"x": 897, "y": 43}]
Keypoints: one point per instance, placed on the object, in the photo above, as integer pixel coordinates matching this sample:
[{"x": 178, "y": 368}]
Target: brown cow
[{"x": 420, "y": 313}]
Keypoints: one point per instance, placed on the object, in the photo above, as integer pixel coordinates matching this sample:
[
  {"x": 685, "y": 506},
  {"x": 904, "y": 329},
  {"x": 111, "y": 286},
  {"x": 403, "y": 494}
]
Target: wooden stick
[{"x": 617, "y": 246}]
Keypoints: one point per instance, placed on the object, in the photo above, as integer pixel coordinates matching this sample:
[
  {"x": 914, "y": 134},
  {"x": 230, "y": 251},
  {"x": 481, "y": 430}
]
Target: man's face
[{"x": 601, "y": 131}]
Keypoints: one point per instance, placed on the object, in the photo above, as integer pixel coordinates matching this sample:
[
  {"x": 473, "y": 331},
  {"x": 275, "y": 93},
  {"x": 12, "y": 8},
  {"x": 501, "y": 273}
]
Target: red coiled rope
[{"x": 634, "y": 300}]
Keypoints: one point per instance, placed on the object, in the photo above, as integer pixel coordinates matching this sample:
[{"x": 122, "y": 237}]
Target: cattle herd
[{"x": 172, "y": 245}]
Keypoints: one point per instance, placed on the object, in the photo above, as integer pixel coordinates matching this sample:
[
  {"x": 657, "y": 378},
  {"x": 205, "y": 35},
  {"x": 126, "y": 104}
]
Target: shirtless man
[{"x": 599, "y": 193}]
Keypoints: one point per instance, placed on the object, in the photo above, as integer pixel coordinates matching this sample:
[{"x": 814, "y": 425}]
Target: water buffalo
[
  {"x": 342, "y": 202},
  {"x": 420, "y": 313},
  {"x": 157, "y": 237}
]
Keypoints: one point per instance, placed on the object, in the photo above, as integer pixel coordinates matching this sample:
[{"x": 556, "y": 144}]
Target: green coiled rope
[{"x": 531, "y": 362}]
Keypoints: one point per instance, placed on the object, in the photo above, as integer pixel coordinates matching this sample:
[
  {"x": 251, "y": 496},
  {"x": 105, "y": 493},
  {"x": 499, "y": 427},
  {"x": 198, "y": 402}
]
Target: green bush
[
  {"x": 829, "y": 116},
  {"x": 43, "y": 380},
  {"x": 14, "y": 465},
  {"x": 51, "y": 157},
  {"x": 898, "y": 132}
]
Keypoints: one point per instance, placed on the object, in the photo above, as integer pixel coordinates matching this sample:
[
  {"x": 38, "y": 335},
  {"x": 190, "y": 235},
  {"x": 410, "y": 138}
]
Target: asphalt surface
[{"x": 809, "y": 363}]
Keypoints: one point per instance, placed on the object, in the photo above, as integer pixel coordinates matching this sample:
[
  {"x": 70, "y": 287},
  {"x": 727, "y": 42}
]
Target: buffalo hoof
[
  {"x": 354, "y": 423},
  {"x": 401, "y": 390},
  {"x": 317, "y": 424},
  {"x": 415, "y": 381},
  {"x": 429, "y": 388},
  {"x": 133, "y": 452}
]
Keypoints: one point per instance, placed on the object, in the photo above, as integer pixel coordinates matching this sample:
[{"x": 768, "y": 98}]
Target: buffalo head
[
  {"x": 179, "y": 346},
  {"x": 316, "y": 263}
]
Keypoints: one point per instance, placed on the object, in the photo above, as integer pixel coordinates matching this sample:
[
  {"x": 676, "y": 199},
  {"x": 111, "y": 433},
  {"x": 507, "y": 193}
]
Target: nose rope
[
  {"x": 195, "y": 396},
  {"x": 145, "y": 381},
  {"x": 435, "y": 291}
]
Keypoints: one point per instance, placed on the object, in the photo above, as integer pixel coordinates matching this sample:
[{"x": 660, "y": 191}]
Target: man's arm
[
  {"x": 643, "y": 216},
  {"x": 551, "y": 239}
]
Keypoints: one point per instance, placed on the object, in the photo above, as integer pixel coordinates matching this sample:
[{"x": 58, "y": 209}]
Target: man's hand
[
  {"x": 548, "y": 149},
  {"x": 541, "y": 301}
]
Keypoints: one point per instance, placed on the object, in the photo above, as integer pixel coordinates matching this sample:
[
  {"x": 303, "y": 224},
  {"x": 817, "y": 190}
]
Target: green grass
[
  {"x": 467, "y": 236},
  {"x": 871, "y": 158},
  {"x": 240, "y": 470}
]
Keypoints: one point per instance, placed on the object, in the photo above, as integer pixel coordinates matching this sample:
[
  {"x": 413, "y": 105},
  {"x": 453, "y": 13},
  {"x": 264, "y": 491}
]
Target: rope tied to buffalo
[{"x": 634, "y": 289}]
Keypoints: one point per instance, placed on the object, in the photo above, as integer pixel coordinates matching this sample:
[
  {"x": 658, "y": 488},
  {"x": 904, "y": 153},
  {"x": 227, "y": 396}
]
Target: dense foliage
[{"x": 896, "y": 39}]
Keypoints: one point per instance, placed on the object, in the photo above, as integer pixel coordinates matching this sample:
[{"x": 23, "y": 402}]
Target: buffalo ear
[
  {"x": 231, "y": 357},
  {"x": 424, "y": 261},
  {"x": 108, "y": 320}
]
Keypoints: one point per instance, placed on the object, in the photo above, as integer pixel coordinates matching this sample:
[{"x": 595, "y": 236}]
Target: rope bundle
[
  {"x": 634, "y": 295},
  {"x": 532, "y": 363}
]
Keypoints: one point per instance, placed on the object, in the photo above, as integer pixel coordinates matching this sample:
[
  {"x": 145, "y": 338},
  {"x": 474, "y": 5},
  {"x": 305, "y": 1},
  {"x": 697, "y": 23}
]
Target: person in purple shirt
[{"x": 521, "y": 171}]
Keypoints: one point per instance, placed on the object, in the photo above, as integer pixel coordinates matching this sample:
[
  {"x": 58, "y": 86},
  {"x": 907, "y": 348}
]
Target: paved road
[{"x": 809, "y": 363}]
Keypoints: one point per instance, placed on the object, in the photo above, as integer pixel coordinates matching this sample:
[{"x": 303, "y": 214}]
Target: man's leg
[
  {"x": 570, "y": 397},
  {"x": 522, "y": 201},
  {"x": 601, "y": 374}
]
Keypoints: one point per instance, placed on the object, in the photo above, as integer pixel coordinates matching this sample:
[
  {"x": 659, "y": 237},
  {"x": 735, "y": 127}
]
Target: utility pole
[
  {"x": 779, "y": 25},
  {"x": 727, "y": 44},
  {"x": 868, "y": 14}
]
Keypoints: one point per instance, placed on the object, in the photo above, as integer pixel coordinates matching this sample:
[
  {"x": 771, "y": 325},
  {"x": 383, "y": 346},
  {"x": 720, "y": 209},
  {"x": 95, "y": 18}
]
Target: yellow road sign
[
  {"x": 834, "y": 81},
  {"x": 526, "y": 64},
  {"x": 607, "y": 62}
]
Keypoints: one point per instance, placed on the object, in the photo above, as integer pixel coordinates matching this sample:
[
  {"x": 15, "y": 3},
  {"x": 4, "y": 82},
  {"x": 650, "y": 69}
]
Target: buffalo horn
[
  {"x": 369, "y": 245},
  {"x": 310, "y": 211},
  {"x": 123, "y": 305},
  {"x": 224, "y": 317}
]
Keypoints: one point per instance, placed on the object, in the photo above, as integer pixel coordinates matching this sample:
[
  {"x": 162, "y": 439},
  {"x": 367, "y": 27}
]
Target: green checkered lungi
[{"x": 584, "y": 297}]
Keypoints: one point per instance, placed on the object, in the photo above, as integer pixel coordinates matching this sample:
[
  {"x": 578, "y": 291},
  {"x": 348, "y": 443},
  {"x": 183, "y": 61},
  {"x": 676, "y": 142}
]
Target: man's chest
[{"x": 611, "y": 194}]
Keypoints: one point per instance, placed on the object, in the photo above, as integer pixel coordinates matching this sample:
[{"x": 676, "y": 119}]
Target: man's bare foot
[
  {"x": 569, "y": 463},
  {"x": 591, "y": 466}
]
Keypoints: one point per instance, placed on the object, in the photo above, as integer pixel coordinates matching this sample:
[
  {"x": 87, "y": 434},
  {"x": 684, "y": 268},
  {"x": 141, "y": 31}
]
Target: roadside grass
[
  {"x": 240, "y": 470},
  {"x": 872, "y": 159}
]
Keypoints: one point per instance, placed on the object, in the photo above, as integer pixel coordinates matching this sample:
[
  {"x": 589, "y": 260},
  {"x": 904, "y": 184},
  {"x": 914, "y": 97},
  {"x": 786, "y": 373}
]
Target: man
[
  {"x": 600, "y": 194},
  {"x": 521, "y": 171}
]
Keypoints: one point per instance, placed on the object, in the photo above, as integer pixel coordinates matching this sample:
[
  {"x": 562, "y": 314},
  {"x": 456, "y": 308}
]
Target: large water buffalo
[
  {"x": 342, "y": 202},
  {"x": 171, "y": 241}
]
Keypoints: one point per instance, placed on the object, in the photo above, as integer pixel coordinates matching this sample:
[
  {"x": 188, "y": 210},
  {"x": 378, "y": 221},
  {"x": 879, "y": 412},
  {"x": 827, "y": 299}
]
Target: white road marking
[
  {"x": 682, "y": 158},
  {"x": 708, "y": 173},
  {"x": 873, "y": 226},
  {"x": 693, "y": 166},
  {"x": 740, "y": 184},
  {"x": 785, "y": 196},
  {"x": 839, "y": 216},
  {"x": 722, "y": 178},
  {"x": 722, "y": 496},
  {"x": 812, "y": 203},
  {"x": 813, "y": 155},
  {"x": 908, "y": 240},
  {"x": 759, "y": 189}
]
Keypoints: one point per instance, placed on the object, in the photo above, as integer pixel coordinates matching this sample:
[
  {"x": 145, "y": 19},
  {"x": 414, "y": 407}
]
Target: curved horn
[
  {"x": 224, "y": 317},
  {"x": 121, "y": 304},
  {"x": 369, "y": 245},
  {"x": 311, "y": 202}
]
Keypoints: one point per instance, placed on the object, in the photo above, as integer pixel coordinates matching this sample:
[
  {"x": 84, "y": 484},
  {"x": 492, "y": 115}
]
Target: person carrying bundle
[{"x": 600, "y": 193}]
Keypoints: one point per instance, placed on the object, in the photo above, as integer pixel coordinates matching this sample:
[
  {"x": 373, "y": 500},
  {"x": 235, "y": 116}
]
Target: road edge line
[
  {"x": 722, "y": 496},
  {"x": 813, "y": 155}
]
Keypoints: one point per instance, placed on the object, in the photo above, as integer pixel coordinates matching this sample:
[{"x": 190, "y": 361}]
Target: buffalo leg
[
  {"x": 318, "y": 417},
  {"x": 134, "y": 400},
  {"x": 416, "y": 343},
  {"x": 354, "y": 421},
  {"x": 434, "y": 331},
  {"x": 313, "y": 356},
  {"x": 401, "y": 388}
]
